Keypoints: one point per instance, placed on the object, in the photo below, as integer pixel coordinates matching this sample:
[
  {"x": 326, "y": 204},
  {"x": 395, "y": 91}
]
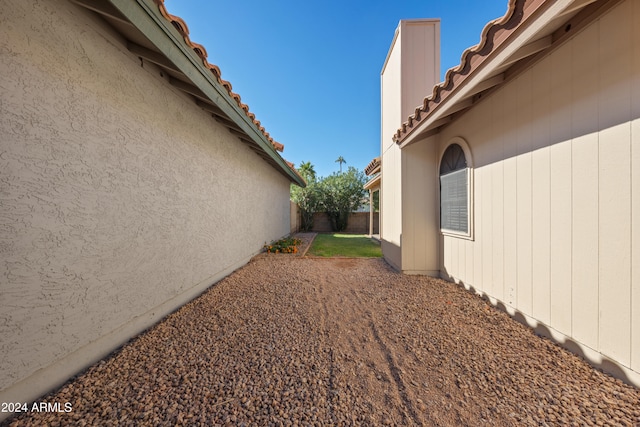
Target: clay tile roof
[
  {"x": 215, "y": 70},
  {"x": 493, "y": 34},
  {"x": 226, "y": 85},
  {"x": 373, "y": 166},
  {"x": 183, "y": 29},
  {"x": 293, "y": 168}
]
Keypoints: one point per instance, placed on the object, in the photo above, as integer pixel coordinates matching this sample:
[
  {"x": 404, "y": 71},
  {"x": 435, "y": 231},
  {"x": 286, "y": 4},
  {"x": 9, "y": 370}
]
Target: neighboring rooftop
[{"x": 373, "y": 166}]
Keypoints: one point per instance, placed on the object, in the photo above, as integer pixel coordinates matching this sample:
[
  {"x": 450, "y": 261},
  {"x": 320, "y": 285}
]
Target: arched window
[{"x": 454, "y": 190}]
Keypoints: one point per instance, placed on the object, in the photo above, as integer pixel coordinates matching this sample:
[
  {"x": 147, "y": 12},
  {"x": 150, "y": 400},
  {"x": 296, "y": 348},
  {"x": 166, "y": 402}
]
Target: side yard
[{"x": 289, "y": 340}]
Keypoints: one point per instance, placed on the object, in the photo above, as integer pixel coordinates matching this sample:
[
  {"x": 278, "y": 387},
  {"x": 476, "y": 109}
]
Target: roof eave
[
  {"x": 491, "y": 71},
  {"x": 373, "y": 182},
  {"x": 145, "y": 16}
]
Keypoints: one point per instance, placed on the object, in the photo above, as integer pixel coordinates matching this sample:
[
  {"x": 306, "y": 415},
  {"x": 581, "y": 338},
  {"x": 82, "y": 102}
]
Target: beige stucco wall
[
  {"x": 120, "y": 198},
  {"x": 557, "y": 191}
]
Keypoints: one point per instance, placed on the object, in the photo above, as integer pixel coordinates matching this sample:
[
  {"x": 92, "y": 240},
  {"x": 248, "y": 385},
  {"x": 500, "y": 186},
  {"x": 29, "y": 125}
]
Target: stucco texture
[{"x": 118, "y": 194}]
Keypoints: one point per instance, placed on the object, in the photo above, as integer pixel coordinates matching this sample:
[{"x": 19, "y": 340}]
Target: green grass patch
[{"x": 345, "y": 245}]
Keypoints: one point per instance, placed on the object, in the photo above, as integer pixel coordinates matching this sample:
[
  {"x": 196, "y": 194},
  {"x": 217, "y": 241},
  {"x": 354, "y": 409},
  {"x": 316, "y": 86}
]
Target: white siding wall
[
  {"x": 635, "y": 193},
  {"x": 411, "y": 70},
  {"x": 557, "y": 183},
  {"x": 390, "y": 185},
  {"x": 120, "y": 198},
  {"x": 420, "y": 67},
  {"x": 420, "y": 214},
  {"x": 391, "y": 206}
]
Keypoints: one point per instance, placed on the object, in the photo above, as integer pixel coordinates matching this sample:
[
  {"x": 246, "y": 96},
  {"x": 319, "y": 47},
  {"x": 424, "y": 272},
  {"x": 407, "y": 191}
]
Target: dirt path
[{"x": 304, "y": 341}]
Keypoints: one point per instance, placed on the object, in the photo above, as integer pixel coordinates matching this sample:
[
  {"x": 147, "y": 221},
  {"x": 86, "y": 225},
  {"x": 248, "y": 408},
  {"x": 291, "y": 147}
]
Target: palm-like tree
[
  {"x": 341, "y": 160},
  {"x": 307, "y": 171}
]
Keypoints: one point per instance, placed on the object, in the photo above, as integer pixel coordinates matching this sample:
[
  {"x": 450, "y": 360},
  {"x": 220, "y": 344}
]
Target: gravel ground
[{"x": 289, "y": 340}]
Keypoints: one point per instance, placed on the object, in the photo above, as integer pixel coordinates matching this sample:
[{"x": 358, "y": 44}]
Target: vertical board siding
[
  {"x": 615, "y": 185},
  {"x": 497, "y": 194},
  {"x": 585, "y": 240},
  {"x": 447, "y": 267},
  {"x": 560, "y": 167},
  {"x": 462, "y": 254},
  {"x": 523, "y": 186},
  {"x": 391, "y": 117},
  {"x": 561, "y": 230},
  {"x": 541, "y": 235},
  {"x": 541, "y": 195},
  {"x": 419, "y": 164},
  {"x": 455, "y": 254},
  {"x": 497, "y": 217},
  {"x": 477, "y": 247},
  {"x": 510, "y": 230},
  {"x": 635, "y": 188},
  {"x": 510, "y": 198},
  {"x": 556, "y": 189},
  {"x": 487, "y": 234},
  {"x": 420, "y": 67},
  {"x": 470, "y": 257},
  {"x": 391, "y": 187},
  {"x": 584, "y": 152}
]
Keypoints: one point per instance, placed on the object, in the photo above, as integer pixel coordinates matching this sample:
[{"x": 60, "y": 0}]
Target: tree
[
  {"x": 341, "y": 194},
  {"x": 307, "y": 198},
  {"x": 341, "y": 160},
  {"x": 338, "y": 195},
  {"x": 307, "y": 171}
]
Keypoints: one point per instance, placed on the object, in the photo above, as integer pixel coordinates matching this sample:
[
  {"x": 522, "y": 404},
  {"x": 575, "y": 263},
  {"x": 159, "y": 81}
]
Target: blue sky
[{"x": 310, "y": 71}]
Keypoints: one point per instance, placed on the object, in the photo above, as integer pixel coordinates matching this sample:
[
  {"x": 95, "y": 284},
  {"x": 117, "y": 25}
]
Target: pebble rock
[{"x": 290, "y": 340}]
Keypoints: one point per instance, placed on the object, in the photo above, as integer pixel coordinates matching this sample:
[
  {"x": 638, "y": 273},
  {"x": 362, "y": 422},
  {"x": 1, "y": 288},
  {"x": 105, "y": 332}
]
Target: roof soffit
[{"x": 373, "y": 183}]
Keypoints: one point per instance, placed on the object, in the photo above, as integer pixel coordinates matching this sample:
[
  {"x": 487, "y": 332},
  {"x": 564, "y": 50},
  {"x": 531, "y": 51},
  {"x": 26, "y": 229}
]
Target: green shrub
[{"x": 287, "y": 245}]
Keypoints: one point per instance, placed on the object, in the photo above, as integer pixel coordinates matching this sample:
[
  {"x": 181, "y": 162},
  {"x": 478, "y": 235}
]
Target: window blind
[{"x": 454, "y": 215}]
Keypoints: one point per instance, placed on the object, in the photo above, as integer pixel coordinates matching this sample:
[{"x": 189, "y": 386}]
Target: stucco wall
[
  {"x": 120, "y": 198},
  {"x": 557, "y": 191}
]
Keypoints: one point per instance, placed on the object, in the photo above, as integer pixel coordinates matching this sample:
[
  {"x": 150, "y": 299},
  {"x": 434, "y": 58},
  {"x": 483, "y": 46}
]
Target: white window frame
[{"x": 469, "y": 235}]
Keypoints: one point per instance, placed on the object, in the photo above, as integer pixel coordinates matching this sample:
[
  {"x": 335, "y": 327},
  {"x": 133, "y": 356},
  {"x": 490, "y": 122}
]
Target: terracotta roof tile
[
  {"x": 373, "y": 166},
  {"x": 493, "y": 34},
  {"x": 293, "y": 168},
  {"x": 200, "y": 50}
]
